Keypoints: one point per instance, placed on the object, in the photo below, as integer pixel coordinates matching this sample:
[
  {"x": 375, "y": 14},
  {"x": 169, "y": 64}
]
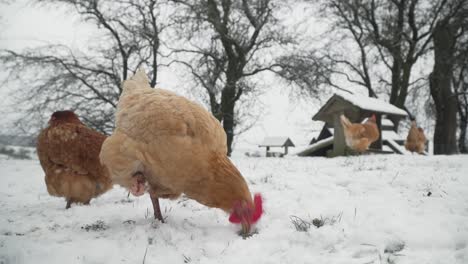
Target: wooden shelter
[
  {"x": 282, "y": 142},
  {"x": 357, "y": 108}
]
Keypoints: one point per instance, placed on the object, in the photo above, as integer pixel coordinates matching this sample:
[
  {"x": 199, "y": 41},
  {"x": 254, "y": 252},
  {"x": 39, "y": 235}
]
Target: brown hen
[
  {"x": 416, "y": 140},
  {"x": 69, "y": 155},
  {"x": 359, "y": 136}
]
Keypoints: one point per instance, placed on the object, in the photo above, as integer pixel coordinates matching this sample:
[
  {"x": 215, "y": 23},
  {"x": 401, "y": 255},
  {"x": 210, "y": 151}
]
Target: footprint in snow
[{"x": 96, "y": 226}]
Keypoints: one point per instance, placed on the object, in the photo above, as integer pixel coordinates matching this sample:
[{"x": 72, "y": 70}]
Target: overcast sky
[{"x": 27, "y": 25}]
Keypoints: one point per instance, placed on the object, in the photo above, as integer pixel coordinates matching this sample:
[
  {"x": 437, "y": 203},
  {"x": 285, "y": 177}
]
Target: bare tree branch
[{"x": 58, "y": 77}]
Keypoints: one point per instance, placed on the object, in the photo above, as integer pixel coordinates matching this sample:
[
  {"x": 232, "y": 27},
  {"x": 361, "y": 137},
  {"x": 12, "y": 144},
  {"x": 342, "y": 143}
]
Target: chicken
[
  {"x": 175, "y": 146},
  {"x": 359, "y": 136},
  {"x": 416, "y": 140},
  {"x": 69, "y": 155}
]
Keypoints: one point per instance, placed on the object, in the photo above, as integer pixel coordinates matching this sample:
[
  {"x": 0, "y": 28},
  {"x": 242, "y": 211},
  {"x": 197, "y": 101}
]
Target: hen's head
[
  {"x": 372, "y": 118},
  {"x": 247, "y": 214},
  {"x": 63, "y": 117}
]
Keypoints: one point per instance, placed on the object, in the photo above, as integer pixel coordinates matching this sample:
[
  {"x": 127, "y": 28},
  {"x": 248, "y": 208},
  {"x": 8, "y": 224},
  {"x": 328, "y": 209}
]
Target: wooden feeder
[
  {"x": 356, "y": 108},
  {"x": 282, "y": 142}
]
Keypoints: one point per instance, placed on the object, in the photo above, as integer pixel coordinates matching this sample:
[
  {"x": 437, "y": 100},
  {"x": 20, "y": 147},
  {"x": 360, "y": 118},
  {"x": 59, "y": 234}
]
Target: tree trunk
[
  {"x": 462, "y": 136},
  {"x": 228, "y": 125},
  {"x": 215, "y": 107},
  {"x": 463, "y": 119},
  {"x": 227, "y": 107},
  {"x": 445, "y": 141},
  {"x": 397, "y": 52},
  {"x": 396, "y": 69},
  {"x": 396, "y": 85},
  {"x": 404, "y": 84}
]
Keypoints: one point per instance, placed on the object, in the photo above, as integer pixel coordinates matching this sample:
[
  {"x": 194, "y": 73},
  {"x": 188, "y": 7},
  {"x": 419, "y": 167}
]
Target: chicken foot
[{"x": 70, "y": 201}]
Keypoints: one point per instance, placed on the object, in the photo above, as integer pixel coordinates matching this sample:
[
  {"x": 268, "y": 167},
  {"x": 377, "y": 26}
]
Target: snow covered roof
[
  {"x": 313, "y": 147},
  {"x": 277, "y": 142},
  {"x": 374, "y": 105}
]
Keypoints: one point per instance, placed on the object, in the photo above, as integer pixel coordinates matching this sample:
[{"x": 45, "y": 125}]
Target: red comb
[
  {"x": 258, "y": 211},
  {"x": 258, "y": 202},
  {"x": 233, "y": 218}
]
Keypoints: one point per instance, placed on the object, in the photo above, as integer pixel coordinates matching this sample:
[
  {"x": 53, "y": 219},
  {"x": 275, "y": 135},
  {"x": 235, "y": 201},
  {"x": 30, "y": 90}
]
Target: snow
[
  {"x": 372, "y": 104},
  {"x": 391, "y": 135},
  {"x": 399, "y": 147},
  {"x": 387, "y": 122},
  {"x": 376, "y": 209}
]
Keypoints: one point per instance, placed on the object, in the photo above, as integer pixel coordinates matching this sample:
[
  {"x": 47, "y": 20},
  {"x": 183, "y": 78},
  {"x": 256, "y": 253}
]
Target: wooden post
[
  {"x": 285, "y": 150},
  {"x": 339, "y": 143},
  {"x": 267, "y": 149},
  {"x": 396, "y": 122},
  {"x": 378, "y": 144}
]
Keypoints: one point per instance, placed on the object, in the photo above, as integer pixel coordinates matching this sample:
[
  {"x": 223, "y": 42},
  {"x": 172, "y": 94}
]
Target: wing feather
[{"x": 74, "y": 146}]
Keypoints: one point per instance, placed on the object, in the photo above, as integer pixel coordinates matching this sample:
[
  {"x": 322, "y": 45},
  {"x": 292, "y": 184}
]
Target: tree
[
  {"x": 460, "y": 84},
  {"x": 447, "y": 33},
  {"x": 347, "y": 20},
  {"x": 396, "y": 33},
  {"x": 58, "y": 77},
  {"x": 229, "y": 42},
  {"x": 441, "y": 90}
]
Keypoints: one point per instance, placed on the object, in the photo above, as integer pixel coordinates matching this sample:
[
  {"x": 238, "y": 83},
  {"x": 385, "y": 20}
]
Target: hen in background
[
  {"x": 359, "y": 136},
  {"x": 69, "y": 155},
  {"x": 169, "y": 145},
  {"x": 416, "y": 140}
]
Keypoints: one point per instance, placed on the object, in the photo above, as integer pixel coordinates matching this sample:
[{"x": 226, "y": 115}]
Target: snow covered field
[{"x": 375, "y": 209}]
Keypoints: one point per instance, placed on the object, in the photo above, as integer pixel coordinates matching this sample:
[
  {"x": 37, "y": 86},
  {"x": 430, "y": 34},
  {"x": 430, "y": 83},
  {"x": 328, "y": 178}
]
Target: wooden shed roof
[
  {"x": 277, "y": 142},
  {"x": 347, "y": 100},
  {"x": 314, "y": 147}
]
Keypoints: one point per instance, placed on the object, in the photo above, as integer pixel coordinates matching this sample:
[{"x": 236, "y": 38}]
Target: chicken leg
[
  {"x": 156, "y": 208},
  {"x": 139, "y": 186}
]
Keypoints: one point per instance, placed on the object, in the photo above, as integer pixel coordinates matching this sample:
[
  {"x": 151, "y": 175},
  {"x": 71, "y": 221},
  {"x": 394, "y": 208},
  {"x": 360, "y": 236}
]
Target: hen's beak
[{"x": 245, "y": 228}]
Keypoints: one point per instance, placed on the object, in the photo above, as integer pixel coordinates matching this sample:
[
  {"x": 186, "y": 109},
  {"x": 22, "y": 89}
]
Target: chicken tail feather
[
  {"x": 345, "y": 121},
  {"x": 140, "y": 76}
]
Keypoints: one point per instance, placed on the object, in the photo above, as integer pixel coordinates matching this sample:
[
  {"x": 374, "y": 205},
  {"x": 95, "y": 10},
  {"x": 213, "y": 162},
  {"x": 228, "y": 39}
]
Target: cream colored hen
[{"x": 175, "y": 146}]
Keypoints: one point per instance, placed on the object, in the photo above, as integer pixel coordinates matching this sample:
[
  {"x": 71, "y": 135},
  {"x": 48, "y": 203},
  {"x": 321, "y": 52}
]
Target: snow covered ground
[{"x": 375, "y": 209}]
